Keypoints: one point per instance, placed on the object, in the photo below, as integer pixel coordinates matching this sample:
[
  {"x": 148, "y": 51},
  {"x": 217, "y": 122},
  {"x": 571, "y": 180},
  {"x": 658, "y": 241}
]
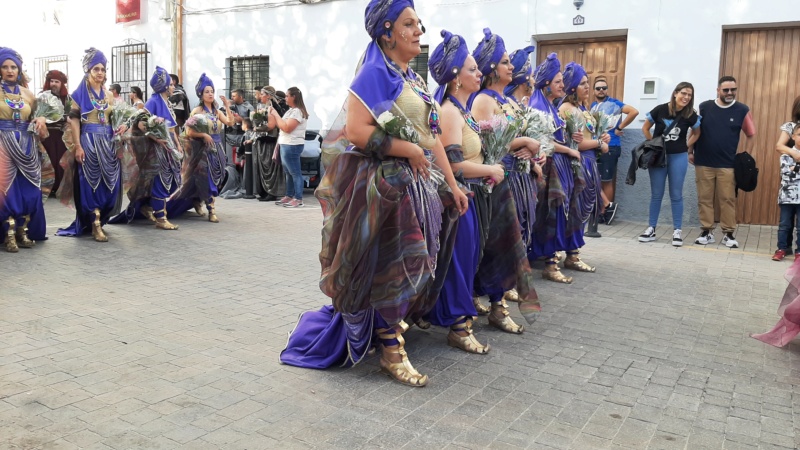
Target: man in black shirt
[
  {"x": 724, "y": 119},
  {"x": 179, "y": 101}
]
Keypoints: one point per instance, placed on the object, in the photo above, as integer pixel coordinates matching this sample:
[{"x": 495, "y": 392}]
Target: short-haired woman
[
  {"x": 136, "y": 96},
  {"x": 678, "y": 122},
  {"x": 292, "y": 139}
]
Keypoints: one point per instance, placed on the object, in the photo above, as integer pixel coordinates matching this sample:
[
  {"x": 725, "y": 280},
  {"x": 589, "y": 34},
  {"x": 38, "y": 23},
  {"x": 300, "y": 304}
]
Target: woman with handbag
[{"x": 678, "y": 125}]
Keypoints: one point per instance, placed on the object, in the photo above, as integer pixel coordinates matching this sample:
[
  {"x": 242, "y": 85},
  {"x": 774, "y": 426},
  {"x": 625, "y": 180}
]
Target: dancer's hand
[
  {"x": 574, "y": 153},
  {"x": 80, "y": 155},
  {"x": 208, "y": 139},
  {"x": 462, "y": 203},
  {"x": 606, "y": 138},
  {"x": 498, "y": 173},
  {"x": 523, "y": 153},
  {"x": 577, "y": 137},
  {"x": 604, "y": 147},
  {"x": 420, "y": 164}
]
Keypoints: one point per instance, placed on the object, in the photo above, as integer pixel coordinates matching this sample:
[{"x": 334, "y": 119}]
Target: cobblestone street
[{"x": 171, "y": 340}]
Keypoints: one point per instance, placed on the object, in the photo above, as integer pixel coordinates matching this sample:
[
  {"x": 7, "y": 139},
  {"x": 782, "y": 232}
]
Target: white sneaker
[
  {"x": 676, "y": 238},
  {"x": 730, "y": 241},
  {"x": 706, "y": 237},
  {"x": 649, "y": 235}
]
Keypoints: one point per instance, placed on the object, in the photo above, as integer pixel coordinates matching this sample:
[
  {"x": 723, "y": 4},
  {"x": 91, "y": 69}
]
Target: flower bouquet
[
  {"x": 198, "y": 123},
  {"x": 121, "y": 114},
  {"x": 541, "y": 127},
  {"x": 398, "y": 126},
  {"x": 606, "y": 116},
  {"x": 156, "y": 128},
  {"x": 496, "y": 136},
  {"x": 49, "y": 107},
  {"x": 574, "y": 124},
  {"x": 258, "y": 119}
]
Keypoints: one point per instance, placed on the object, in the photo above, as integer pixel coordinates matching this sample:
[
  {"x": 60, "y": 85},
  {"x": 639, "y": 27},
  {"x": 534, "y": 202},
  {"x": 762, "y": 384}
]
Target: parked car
[{"x": 310, "y": 159}]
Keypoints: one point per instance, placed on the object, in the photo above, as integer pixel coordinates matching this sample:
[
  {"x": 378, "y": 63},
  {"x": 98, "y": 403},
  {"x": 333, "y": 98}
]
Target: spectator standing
[
  {"x": 116, "y": 91},
  {"x": 241, "y": 108},
  {"x": 724, "y": 119},
  {"x": 679, "y": 124},
  {"x": 56, "y": 83},
  {"x": 179, "y": 101},
  {"x": 607, "y": 162},
  {"x": 291, "y": 140},
  {"x": 136, "y": 97},
  {"x": 789, "y": 199}
]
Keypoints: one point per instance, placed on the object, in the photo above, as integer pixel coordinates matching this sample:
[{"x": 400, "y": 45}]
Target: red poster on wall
[{"x": 129, "y": 11}]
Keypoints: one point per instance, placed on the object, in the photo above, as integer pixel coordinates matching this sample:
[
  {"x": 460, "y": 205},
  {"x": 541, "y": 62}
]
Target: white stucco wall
[{"x": 315, "y": 47}]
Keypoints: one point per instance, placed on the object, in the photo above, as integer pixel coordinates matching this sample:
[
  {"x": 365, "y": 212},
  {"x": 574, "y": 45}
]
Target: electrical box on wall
[{"x": 649, "y": 88}]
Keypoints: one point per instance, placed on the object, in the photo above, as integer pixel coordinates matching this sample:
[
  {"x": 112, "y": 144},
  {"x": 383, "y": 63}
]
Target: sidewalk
[{"x": 171, "y": 340}]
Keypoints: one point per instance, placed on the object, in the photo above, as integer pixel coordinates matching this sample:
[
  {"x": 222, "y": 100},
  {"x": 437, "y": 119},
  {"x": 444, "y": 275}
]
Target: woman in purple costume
[
  {"x": 21, "y": 209},
  {"x": 589, "y": 201},
  {"x": 98, "y": 166},
  {"x": 553, "y": 218},
  {"x": 490, "y": 101},
  {"x": 389, "y": 222}
]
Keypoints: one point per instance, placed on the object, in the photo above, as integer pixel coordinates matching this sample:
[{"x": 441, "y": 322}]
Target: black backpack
[{"x": 745, "y": 172}]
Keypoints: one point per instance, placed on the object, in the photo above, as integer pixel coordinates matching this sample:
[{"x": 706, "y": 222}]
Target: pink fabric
[{"x": 789, "y": 326}]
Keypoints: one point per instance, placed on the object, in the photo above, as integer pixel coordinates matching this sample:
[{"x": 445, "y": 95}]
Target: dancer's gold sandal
[
  {"x": 162, "y": 222},
  {"x": 574, "y": 262},
  {"x": 148, "y": 213},
  {"x": 198, "y": 208},
  {"x": 97, "y": 229},
  {"x": 11, "y": 242},
  {"x": 22, "y": 235},
  {"x": 402, "y": 372},
  {"x": 511, "y": 295},
  {"x": 467, "y": 343},
  {"x": 212, "y": 212},
  {"x": 480, "y": 307},
  {"x": 552, "y": 273},
  {"x": 501, "y": 319}
]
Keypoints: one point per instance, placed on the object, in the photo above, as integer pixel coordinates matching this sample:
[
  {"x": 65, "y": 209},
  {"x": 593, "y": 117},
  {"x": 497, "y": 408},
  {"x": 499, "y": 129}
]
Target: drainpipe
[{"x": 179, "y": 38}]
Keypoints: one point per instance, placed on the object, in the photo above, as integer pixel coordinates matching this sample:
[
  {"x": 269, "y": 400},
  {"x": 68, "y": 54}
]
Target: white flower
[{"x": 385, "y": 118}]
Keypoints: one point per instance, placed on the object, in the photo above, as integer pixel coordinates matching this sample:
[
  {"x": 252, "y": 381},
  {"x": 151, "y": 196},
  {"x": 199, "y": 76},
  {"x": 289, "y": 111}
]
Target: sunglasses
[
  {"x": 601, "y": 88},
  {"x": 726, "y": 90}
]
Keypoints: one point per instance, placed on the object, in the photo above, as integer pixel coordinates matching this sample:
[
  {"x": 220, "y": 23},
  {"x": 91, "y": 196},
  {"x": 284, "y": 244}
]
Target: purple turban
[
  {"x": 489, "y": 51},
  {"x": 202, "y": 84},
  {"x": 446, "y": 61},
  {"x": 546, "y": 71},
  {"x": 379, "y": 12},
  {"x": 573, "y": 74},
  {"x": 522, "y": 68},
  {"x": 160, "y": 80},
  {"x": 7, "y": 53},
  {"x": 92, "y": 58}
]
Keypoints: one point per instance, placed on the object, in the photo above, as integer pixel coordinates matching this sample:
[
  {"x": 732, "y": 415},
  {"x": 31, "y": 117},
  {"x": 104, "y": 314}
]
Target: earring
[
  {"x": 389, "y": 34},
  {"x": 548, "y": 90}
]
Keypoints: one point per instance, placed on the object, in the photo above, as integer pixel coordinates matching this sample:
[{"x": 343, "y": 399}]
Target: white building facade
[{"x": 654, "y": 44}]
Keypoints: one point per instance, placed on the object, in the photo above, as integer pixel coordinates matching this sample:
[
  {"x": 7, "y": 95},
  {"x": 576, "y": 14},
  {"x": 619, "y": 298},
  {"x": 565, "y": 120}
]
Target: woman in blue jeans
[
  {"x": 291, "y": 140},
  {"x": 680, "y": 125}
]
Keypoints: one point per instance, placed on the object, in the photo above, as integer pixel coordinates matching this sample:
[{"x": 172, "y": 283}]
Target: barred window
[
  {"x": 247, "y": 73},
  {"x": 129, "y": 68},
  {"x": 420, "y": 63}
]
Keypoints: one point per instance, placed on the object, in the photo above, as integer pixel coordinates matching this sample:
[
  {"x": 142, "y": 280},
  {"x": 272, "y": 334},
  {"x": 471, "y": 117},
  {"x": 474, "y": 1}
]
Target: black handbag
[{"x": 654, "y": 152}]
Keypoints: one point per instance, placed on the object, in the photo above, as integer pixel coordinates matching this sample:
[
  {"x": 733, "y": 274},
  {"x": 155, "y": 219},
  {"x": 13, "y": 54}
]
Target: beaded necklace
[
  {"x": 212, "y": 117},
  {"x": 15, "y": 105},
  {"x": 99, "y": 102},
  {"x": 421, "y": 90},
  {"x": 467, "y": 115},
  {"x": 500, "y": 99}
]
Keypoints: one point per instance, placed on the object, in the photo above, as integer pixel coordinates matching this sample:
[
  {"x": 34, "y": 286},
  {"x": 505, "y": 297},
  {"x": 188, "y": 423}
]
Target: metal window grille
[
  {"x": 43, "y": 65},
  {"x": 420, "y": 63},
  {"x": 129, "y": 67},
  {"x": 247, "y": 73}
]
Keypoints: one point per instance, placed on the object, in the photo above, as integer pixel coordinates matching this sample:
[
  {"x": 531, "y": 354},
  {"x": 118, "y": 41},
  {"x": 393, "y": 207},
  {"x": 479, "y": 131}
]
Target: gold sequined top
[
  {"x": 417, "y": 111},
  {"x": 92, "y": 117},
  {"x": 471, "y": 144},
  {"x": 6, "y": 113}
]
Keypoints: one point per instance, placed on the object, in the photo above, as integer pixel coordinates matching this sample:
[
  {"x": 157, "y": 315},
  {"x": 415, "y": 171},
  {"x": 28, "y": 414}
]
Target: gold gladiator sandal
[
  {"x": 162, "y": 222},
  {"x": 97, "y": 228},
  {"x": 212, "y": 212},
  {"x": 467, "y": 343},
  {"x": 574, "y": 262},
  {"x": 148, "y": 213},
  {"x": 11, "y": 242},
  {"x": 501, "y": 319},
  {"x": 480, "y": 307},
  {"x": 402, "y": 372},
  {"x": 22, "y": 234},
  {"x": 511, "y": 295},
  {"x": 552, "y": 273},
  {"x": 198, "y": 208}
]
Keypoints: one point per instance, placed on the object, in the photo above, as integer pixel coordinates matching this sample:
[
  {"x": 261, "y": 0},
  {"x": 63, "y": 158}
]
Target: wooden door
[
  {"x": 767, "y": 71},
  {"x": 600, "y": 57}
]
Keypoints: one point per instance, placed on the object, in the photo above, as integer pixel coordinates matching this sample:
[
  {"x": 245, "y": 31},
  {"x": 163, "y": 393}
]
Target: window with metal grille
[
  {"x": 247, "y": 73},
  {"x": 129, "y": 68},
  {"x": 43, "y": 65},
  {"x": 420, "y": 63}
]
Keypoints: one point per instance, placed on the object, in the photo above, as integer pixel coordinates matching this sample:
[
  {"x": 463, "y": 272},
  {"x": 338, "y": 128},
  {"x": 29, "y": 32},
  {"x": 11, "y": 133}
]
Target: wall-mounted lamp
[{"x": 577, "y": 3}]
